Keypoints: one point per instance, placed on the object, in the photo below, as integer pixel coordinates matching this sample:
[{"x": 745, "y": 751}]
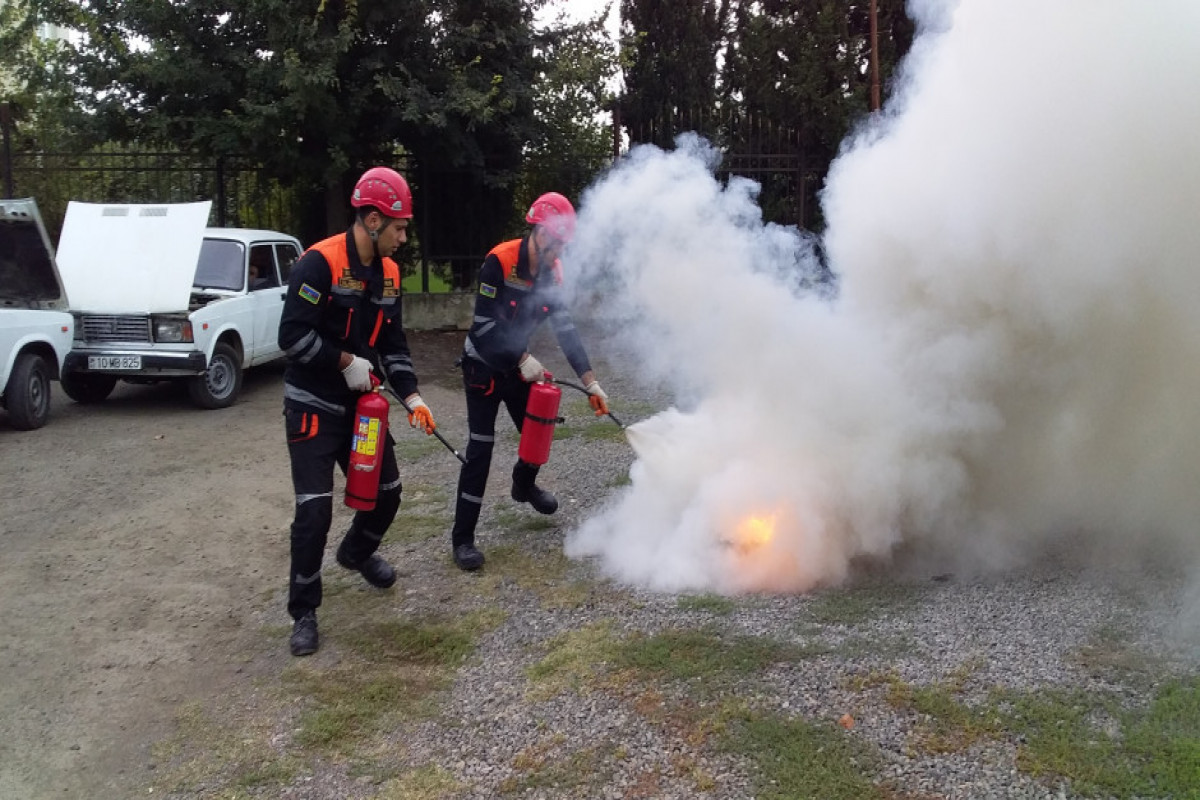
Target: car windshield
[{"x": 222, "y": 265}]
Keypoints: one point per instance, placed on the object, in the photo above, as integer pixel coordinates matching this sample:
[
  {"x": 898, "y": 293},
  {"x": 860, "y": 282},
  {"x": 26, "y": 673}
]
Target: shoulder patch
[
  {"x": 309, "y": 293},
  {"x": 487, "y": 290}
]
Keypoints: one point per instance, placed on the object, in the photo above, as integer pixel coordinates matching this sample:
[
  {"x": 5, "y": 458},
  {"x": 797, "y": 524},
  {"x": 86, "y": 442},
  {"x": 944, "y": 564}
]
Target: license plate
[{"x": 114, "y": 362}]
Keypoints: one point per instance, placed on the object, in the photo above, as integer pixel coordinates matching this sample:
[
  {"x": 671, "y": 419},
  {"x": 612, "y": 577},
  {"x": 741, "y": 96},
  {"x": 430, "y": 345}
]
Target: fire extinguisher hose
[
  {"x": 577, "y": 387},
  {"x": 436, "y": 432}
]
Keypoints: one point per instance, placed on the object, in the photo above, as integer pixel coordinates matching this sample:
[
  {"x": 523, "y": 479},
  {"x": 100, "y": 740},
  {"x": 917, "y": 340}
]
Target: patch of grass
[
  {"x": 202, "y": 751},
  {"x": 542, "y": 572},
  {"x": 424, "y": 495},
  {"x": 573, "y": 661},
  {"x": 566, "y": 431},
  {"x": 398, "y": 641},
  {"x": 554, "y": 769},
  {"x": 411, "y": 284},
  {"x": 426, "y": 783},
  {"x": 1108, "y": 654},
  {"x": 412, "y": 446},
  {"x": 855, "y": 605},
  {"x": 523, "y": 518},
  {"x": 1107, "y": 750},
  {"x": 347, "y": 706},
  {"x": 603, "y": 430},
  {"x": 712, "y": 603},
  {"x": 689, "y": 654},
  {"x": 415, "y": 527},
  {"x": 391, "y": 670},
  {"x": 797, "y": 759},
  {"x": 621, "y": 480}
]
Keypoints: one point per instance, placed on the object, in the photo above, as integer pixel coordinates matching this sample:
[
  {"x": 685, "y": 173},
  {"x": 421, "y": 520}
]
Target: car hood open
[
  {"x": 29, "y": 277},
  {"x": 118, "y": 258}
]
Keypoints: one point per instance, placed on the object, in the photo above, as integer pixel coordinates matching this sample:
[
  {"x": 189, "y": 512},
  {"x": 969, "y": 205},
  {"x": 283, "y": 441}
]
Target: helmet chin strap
[{"x": 374, "y": 236}]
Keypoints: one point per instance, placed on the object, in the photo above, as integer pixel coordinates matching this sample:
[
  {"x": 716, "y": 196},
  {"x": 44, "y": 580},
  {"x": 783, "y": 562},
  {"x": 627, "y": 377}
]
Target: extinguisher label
[{"x": 366, "y": 437}]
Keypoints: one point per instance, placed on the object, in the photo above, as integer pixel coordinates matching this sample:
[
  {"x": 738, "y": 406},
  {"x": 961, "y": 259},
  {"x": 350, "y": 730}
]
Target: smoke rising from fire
[{"x": 1012, "y": 353}]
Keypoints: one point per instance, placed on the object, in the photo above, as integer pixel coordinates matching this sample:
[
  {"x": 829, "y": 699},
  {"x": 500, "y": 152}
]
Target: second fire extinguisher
[
  {"x": 366, "y": 451},
  {"x": 541, "y": 413}
]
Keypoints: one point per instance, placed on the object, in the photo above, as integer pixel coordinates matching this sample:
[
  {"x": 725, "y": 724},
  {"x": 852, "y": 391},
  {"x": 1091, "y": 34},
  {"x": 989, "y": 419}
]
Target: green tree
[
  {"x": 573, "y": 138},
  {"x": 669, "y": 55},
  {"x": 804, "y": 66},
  {"x": 793, "y": 80},
  {"x": 317, "y": 92}
]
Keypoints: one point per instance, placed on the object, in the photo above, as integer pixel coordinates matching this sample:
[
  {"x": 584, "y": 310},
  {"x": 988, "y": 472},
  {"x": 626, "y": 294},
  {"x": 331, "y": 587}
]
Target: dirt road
[{"x": 144, "y": 544}]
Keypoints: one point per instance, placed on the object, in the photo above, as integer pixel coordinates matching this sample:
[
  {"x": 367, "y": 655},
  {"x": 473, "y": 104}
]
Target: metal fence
[{"x": 243, "y": 197}]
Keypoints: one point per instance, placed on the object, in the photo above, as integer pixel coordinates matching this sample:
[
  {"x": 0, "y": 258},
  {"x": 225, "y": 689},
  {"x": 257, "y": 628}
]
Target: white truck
[
  {"x": 158, "y": 296},
  {"x": 35, "y": 328}
]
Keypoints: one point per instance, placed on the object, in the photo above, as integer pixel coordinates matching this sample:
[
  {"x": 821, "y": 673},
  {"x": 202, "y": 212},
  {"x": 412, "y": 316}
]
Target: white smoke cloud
[{"x": 1013, "y": 354}]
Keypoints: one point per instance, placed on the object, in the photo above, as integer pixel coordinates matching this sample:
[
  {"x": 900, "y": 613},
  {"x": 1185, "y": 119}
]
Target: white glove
[
  {"x": 358, "y": 374},
  {"x": 531, "y": 369},
  {"x": 593, "y": 388}
]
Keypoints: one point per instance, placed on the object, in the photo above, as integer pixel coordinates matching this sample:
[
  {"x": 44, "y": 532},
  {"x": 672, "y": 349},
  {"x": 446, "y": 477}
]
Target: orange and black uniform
[
  {"x": 334, "y": 304},
  {"x": 510, "y": 304}
]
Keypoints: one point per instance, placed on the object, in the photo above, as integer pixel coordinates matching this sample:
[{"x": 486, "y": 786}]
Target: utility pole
[{"x": 875, "y": 99}]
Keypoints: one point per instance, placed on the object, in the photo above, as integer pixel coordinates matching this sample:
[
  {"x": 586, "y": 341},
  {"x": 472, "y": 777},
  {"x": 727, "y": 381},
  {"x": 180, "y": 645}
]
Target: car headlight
[{"x": 172, "y": 329}]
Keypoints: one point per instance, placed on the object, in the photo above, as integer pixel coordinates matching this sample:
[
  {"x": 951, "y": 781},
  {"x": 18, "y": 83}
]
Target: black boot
[
  {"x": 374, "y": 569},
  {"x": 304, "y": 634},
  {"x": 467, "y": 557},
  {"x": 524, "y": 490}
]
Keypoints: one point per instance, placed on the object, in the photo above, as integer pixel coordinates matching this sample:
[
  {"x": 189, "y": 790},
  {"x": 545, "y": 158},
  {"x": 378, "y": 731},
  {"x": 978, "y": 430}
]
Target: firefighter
[
  {"x": 341, "y": 320},
  {"x": 520, "y": 285}
]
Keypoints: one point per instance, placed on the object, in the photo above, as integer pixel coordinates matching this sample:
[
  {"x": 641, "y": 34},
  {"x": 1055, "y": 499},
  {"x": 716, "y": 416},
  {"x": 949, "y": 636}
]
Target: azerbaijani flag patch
[
  {"x": 309, "y": 293},
  {"x": 487, "y": 290}
]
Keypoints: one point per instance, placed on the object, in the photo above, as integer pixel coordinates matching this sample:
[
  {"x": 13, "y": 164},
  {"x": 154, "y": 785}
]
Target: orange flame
[{"x": 754, "y": 533}]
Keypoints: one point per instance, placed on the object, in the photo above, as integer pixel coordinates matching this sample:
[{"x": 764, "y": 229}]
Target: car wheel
[
  {"x": 28, "y": 392},
  {"x": 218, "y": 387},
  {"x": 84, "y": 388}
]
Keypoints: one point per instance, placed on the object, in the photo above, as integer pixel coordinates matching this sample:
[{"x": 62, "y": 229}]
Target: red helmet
[
  {"x": 384, "y": 189},
  {"x": 555, "y": 213}
]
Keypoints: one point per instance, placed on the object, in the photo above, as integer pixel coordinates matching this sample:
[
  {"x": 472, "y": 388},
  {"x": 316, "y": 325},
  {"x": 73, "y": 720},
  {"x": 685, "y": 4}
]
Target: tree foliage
[
  {"x": 669, "y": 56},
  {"x": 775, "y": 77},
  {"x": 573, "y": 139},
  {"x": 316, "y": 92}
]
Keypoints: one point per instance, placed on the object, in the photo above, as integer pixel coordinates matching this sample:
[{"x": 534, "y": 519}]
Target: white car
[
  {"x": 35, "y": 328},
  {"x": 158, "y": 296}
]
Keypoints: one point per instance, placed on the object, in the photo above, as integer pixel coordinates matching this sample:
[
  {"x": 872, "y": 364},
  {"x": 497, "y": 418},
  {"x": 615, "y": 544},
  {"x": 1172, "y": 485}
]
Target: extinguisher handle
[{"x": 375, "y": 382}]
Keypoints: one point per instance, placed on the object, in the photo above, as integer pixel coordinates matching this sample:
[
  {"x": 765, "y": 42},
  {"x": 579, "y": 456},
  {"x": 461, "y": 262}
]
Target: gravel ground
[
  {"x": 1022, "y": 630},
  {"x": 1060, "y": 622}
]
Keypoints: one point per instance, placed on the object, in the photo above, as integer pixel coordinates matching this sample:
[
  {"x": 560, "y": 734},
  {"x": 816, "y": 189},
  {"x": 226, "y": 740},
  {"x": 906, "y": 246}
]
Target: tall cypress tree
[{"x": 669, "y": 54}]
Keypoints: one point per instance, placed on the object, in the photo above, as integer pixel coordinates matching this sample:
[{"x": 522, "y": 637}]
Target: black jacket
[
  {"x": 507, "y": 312},
  {"x": 319, "y": 323}
]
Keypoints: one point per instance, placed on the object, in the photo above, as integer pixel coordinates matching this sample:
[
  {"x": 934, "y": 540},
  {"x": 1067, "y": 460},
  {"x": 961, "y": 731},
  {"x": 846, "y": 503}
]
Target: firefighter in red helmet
[
  {"x": 520, "y": 286},
  {"x": 341, "y": 322}
]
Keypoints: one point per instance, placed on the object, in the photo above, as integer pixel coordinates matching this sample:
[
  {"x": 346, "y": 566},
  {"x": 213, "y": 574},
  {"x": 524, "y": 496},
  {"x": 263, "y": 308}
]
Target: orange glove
[
  {"x": 420, "y": 416},
  {"x": 597, "y": 398}
]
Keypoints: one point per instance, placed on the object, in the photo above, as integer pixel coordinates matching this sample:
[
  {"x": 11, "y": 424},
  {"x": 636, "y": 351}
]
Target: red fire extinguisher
[
  {"x": 366, "y": 451},
  {"x": 541, "y": 413}
]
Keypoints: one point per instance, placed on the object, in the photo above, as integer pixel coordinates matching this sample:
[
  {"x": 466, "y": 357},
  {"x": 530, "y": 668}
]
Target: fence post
[
  {"x": 221, "y": 192},
  {"x": 6, "y": 125},
  {"x": 425, "y": 228}
]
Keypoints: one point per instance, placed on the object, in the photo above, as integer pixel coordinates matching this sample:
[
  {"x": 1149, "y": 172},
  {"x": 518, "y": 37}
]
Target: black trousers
[
  {"x": 486, "y": 389},
  {"x": 316, "y": 441}
]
